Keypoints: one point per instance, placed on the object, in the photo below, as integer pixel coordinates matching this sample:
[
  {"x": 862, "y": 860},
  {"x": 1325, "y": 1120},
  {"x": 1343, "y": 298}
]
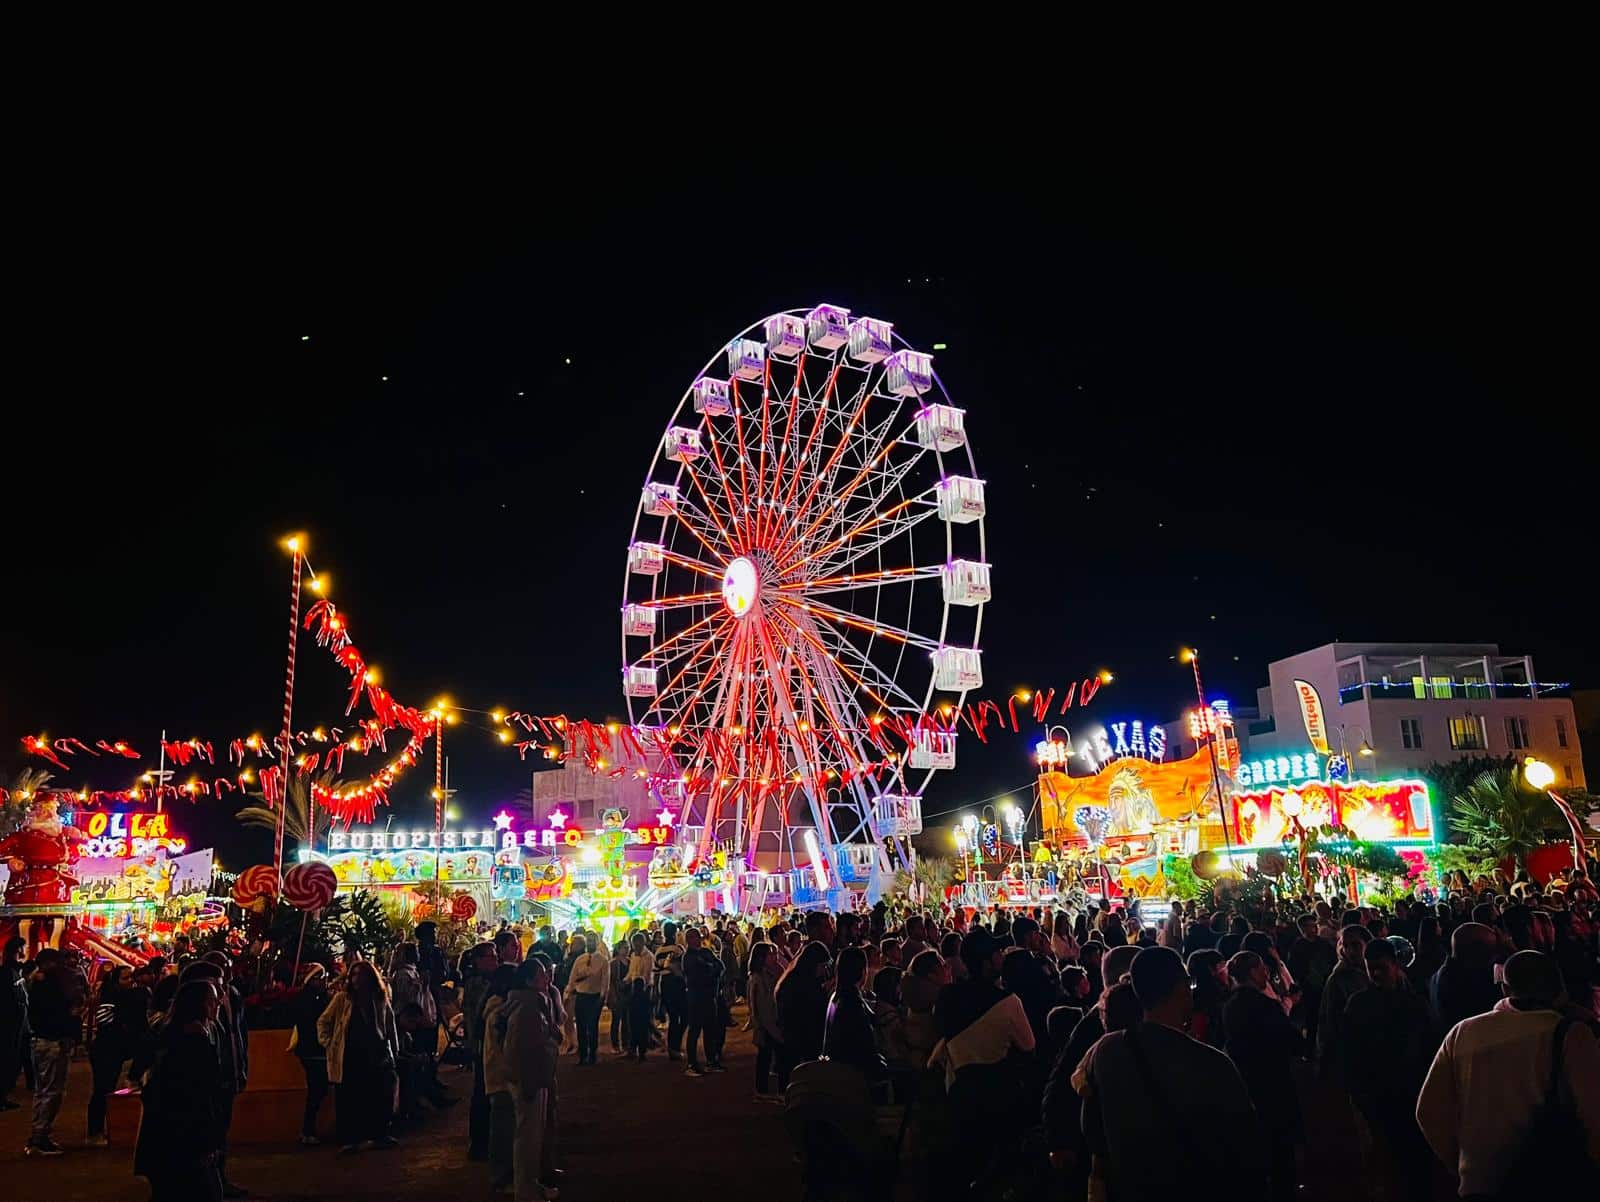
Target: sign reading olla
[{"x": 123, "y": 835}]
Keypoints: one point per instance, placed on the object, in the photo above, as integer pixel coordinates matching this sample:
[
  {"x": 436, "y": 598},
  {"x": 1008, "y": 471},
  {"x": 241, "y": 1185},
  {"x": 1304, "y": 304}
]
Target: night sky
[{"x": 1250, "y": 405}]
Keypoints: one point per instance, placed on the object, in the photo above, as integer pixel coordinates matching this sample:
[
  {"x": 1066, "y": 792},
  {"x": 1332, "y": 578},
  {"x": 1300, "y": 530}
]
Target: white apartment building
[{"x": 1413, "y": 704}]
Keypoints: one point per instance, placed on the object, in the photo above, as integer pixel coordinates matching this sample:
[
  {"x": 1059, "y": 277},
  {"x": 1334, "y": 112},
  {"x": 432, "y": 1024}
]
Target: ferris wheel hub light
[{"x": 739, "y": 586}]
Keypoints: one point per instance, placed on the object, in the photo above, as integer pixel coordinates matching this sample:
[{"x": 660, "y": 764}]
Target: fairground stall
[{"x": 1114, "y": 831}]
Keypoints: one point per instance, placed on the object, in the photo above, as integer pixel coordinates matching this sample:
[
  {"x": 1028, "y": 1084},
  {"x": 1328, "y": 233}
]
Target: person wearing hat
[
  {"x": 1154, "y": 1073},
  {"x": 1512, "y": 1100}
]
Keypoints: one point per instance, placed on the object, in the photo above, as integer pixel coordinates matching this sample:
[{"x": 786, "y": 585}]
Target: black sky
[{"x": 1251, "y": 398}]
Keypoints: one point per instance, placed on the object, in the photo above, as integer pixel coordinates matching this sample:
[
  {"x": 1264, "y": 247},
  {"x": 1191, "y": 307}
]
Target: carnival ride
[{"x": 806, "y": 569}]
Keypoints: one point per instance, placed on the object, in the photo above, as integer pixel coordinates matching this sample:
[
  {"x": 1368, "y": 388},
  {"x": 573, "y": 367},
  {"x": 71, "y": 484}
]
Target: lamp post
[
  {"x": 1292, "y": 804},
  {"x": 1365, "y": 751},
  {"x": 962, "y": 844},
  {"x": 1541, "y": 776},
  {"x": 1192, "y": 657}
]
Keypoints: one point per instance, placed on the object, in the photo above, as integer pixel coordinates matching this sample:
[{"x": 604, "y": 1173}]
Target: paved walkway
[{"x": 628, "y": 1131}]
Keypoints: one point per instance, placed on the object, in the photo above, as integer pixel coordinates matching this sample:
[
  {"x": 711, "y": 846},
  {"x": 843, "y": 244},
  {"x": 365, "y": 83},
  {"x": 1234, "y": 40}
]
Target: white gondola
[
  {"x": 965, "y": 582},
  {"x": 908, "y": 373},
  {"x": 869, "y": 339},
  {"x": 933, "y": 749},
  {"x": 957, "y": 668},
  {"x": 659, "y": 500},
  {"x": 747, "y": 359},
  {"x": 900, "y": 814},
  {"x": 941, "y": 427},
  {"x": 682, "y": 445},
  {"x": 639, "y": 681},
  {"x": 639, "y": 621},
  {"x": 828, "y": 327},
  {"x": 786, "y": 335},
  {"x": 960, "y": 499},
  {"x": 712, "y": 397},
  {"x": 646, "y": 559}
]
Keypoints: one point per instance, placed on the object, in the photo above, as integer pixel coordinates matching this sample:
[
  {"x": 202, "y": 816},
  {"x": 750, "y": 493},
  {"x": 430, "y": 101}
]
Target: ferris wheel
[{"x": 807, "y": 570}]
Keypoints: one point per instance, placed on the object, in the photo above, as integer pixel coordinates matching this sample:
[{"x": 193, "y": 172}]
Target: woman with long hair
[
  {"x": 762, "y": 988},
  {"x": 802, "y": 1008},
  {"x": 358, "y": 1032},
  {"x": 306, "y": 1007},
  {"x": 181, "y": 1107},
  {"x": 1208, "y": 973}
]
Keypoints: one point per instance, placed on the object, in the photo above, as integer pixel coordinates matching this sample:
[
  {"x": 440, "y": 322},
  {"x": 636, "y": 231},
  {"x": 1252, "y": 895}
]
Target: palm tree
[
  {"x": 1499, "y": 816},
  {"x": 296, "y": 805},
  {"x": 19, "y": 794}
]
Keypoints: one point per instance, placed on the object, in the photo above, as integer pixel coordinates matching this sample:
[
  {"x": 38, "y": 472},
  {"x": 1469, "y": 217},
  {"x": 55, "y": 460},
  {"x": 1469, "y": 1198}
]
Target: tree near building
[{"x": 1499, "y": 815}]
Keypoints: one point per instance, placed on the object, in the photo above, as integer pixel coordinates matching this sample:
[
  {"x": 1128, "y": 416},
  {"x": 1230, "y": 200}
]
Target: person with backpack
[{"x": 1512, "y": 1100}]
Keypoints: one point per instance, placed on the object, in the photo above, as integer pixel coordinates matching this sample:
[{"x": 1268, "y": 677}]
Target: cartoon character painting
[{"x": 613, "y": 840}]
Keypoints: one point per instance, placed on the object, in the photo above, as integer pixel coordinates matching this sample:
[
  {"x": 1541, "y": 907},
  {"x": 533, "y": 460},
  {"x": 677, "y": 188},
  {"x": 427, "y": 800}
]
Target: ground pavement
[{"x": 628, "y": 1130}]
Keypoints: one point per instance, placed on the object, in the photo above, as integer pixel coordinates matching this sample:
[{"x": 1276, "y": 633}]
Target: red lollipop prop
[
  {"x": 310, "y": 886},
  {"x": 257, "y": 883},
  {"x": 463, "y": 907}
]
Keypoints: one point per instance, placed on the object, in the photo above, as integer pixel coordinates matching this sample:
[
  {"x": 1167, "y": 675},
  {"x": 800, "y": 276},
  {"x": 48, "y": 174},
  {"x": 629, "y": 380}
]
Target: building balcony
[{"x": 1453, "y": 690}]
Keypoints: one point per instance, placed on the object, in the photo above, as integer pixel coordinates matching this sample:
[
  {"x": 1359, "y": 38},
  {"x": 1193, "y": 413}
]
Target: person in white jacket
[
  {"x": 358, "y": 1032},
  {"x": 585, "y": 994},
  {"x": 1484, "y": 1098}
]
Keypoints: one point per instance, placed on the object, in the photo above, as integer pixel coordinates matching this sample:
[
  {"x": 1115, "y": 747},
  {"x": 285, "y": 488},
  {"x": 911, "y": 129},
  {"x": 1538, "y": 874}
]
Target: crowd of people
[{"x": 1101, "y": 1053}]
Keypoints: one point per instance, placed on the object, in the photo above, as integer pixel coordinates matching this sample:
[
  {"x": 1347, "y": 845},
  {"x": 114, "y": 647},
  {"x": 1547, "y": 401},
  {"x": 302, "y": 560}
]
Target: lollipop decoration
[
  {"x": 463, "y": 908},
  {"x": 310, "y": 886},
  {"x": 256, "y": 886}
]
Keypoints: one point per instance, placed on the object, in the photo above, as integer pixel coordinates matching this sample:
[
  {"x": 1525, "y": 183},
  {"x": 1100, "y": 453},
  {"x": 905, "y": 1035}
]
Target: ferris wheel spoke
[
  {"x": 892, "y": 517},
  {"x": 869, "y": 670},
  {"x": 822, "y": 586},
  {"x": 822, "y": 609},
  {"x": 805, "y": 455},
  {"x": 841, "y": 553},
  {"x": 818, "y": 477},
  {"x": 827, "y": 655},
  {"x": 714, "y": 571},
  {"x": 655, "y": 653},
  {"x": 710, "y": 507},
  {"x": 688, "y": 516},
  {"x": 706, "y": 645}
]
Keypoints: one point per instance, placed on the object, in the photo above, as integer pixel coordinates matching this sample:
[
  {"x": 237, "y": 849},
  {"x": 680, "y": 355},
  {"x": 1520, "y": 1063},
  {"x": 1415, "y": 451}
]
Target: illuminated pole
[
  {"x": 295, "y": 546},
  {"x": 1192, "y": 657},
  {"x": 438, "y": 796}
]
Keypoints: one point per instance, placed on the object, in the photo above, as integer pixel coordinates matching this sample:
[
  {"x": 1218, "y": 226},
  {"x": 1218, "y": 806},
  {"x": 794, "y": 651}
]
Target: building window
[
  {"x": 1411, "y": 733},
  {"x": 1419, "y": 688},
  {"x": 1517, "y": 733},
  {"x": 586, "y": 809},
  {"x": 1561, "y": 732},
  {"x": 1475, "y": 687},
  {"x": 1568, "y": 767},
  {"x": 1467, "y": 733},
  {"x": 1441, "y": 688}
]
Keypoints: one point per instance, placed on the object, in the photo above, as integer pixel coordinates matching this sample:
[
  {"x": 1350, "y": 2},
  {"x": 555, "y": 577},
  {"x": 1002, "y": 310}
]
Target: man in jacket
[
  {"x": 586, "y": 984},
  {"x": 55, "y": 1007},
  {"x": 16, "y": 1040},
  {"x": 1349, "y": 977},
  {"x": 1465, "y": 986},
  {"x": 702, "y": 975},
  {"x": 1389, "y": 1040},
  {"x": 1263, "y": 1045}
]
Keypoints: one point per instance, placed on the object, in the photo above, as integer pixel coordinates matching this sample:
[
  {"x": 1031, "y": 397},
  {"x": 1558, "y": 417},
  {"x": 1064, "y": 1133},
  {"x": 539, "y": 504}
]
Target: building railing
[{"x": 1453, "y": 690}]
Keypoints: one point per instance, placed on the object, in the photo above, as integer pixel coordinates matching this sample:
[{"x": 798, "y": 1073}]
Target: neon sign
[
  {"x": 124, "y": 835},
  {"x": 1125, "y": 740},
  {"x": 1271, "y": 769}
]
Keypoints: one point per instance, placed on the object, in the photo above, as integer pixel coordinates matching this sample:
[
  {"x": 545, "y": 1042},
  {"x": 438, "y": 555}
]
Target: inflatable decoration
[{"x": 37, "y": 854}]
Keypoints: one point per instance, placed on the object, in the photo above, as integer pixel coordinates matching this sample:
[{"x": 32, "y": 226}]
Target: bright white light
[
  {"x": 818, "y": 864},
  {"x": 739, "y": 587},
  {"x": 1538, "y": 773}
]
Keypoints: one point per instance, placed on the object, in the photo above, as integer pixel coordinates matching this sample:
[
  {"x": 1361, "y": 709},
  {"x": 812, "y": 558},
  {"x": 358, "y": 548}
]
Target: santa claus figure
[{"x": 38, "y": 854}]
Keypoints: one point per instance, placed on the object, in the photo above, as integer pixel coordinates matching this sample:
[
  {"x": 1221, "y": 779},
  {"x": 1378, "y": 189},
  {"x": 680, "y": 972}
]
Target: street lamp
[
  {"x": 1292, "y": 804},
  {"x": 1538, "y": 774}
]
